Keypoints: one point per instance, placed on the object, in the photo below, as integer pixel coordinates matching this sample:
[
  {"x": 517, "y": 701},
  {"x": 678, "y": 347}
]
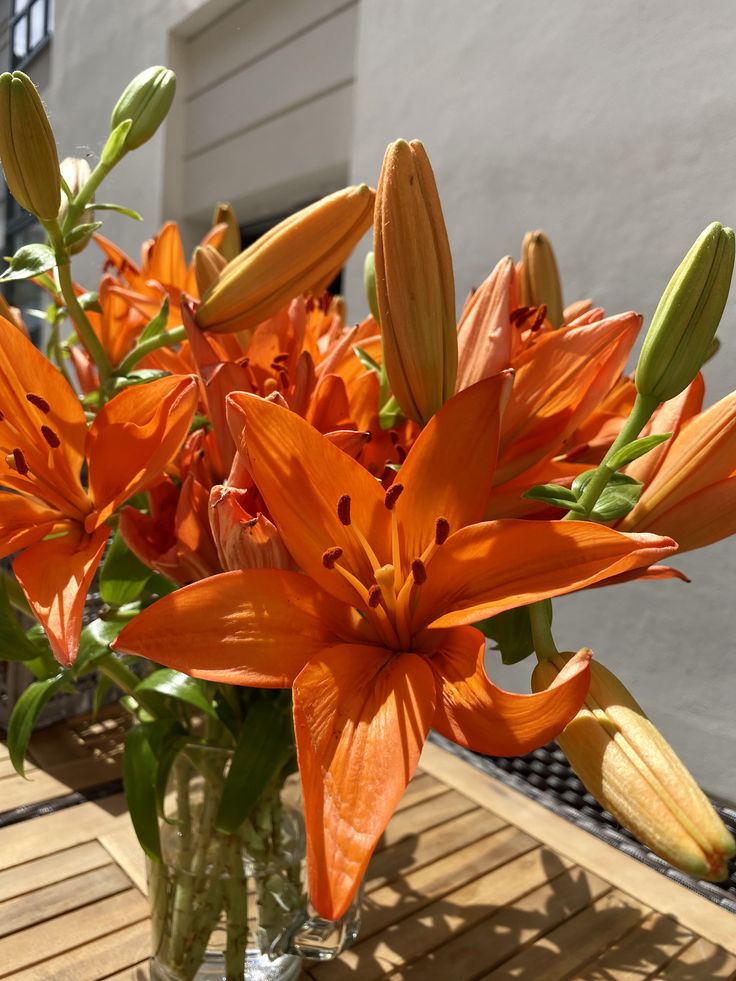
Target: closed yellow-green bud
[
  {"x": 231, "y": 243},
  {"x": 414, "y": 283},
  {"x": 628, "y": 766},
  {"x": 27, "y": 147},
  {"x": 146, "y": 101},
  {"x": 302, "y": 253},
  {"x": 540, "y": 280},
  {"x": 684, "y": 324}
]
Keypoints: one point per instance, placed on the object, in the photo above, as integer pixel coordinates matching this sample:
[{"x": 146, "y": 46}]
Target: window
[{"x": 30, "y": 29}]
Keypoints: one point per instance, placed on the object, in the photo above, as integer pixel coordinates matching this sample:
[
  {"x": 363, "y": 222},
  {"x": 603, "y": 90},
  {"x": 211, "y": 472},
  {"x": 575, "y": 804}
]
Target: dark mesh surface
[{"x": 547, "y": 777}]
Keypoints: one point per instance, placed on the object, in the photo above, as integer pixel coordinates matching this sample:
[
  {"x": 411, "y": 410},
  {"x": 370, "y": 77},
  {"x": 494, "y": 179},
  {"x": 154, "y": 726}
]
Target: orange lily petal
[
  {"x": 449, "y": 470},
  {"x": 244, "y": 541},
  {"x": 302, "y": 476},
  {"x": 707, "y": 516},
  {"x": 165, "y": 257},
  {"x": 24, "y": 522},
  {"x": 55, "y": 576},
  {"x": 669, "y": 418},
  {"x": 474, "y": 713},
  {"x": 498, "y": 565},
  {"x": 484, "y": 332},
  {"x": 361, "y": 716},
  {"x": 260, "y": 628},
  {"x": 134, "y": 436}
]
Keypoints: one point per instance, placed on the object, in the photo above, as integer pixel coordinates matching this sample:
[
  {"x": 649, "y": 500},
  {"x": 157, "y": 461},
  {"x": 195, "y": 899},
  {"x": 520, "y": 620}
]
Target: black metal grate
[{"x": 546, "y": 777}]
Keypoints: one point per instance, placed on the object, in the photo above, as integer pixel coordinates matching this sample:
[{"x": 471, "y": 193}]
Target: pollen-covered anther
[
  {"x": 441, "y": 531},
  {"x": 419, "y": 572},
  {"x": 343, "y": 509},
  {"x": 39, "y": 402},
  {"x": 392, "y": 495},
  {"x": 284, "y": 356},
  {"x": 16, "y": 461},
  {"x": 374, "y": 596},
  {"x": 330, "y": 557},
  {"x": 539, "y": 319},
  {"x": 50, "y": 436}
]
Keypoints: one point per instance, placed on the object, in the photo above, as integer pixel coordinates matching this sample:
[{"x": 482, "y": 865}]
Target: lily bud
[
  {"x": 684, "y": 324},
  {"x": 627, "y": 765},
  {"x": 27, "y": 147},
  {"x": 302, "y": 253},
  {"x": 208, "y": 264},
  {"x": 146, "y": 101},
  {"x": 414, "y": 283},
  {"x": 540, "y": 280},
  {"x": 231, "y": 243},
  {"x": 75, "y": 172}
]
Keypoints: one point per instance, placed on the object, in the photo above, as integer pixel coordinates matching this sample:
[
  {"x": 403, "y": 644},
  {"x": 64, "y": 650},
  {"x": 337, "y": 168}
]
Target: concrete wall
[{"x": 612, "y": 127}]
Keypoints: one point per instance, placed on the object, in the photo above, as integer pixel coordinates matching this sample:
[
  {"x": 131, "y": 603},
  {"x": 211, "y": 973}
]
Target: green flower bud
[
  {"x": 684, "y": 324},
  {"x": 27, "y": 147},
  {"x": 146, "y": 101},
  {"x": 540, "y": 280}
]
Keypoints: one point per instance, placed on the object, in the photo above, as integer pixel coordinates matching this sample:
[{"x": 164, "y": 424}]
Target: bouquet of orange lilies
[{"x": 284, "y": 512}]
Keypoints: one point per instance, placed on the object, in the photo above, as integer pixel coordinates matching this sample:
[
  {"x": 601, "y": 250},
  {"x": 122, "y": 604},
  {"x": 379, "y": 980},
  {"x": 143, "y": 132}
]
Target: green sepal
[
  {"x": 632, "y": 451},
  {"x": 265, "y": 745},
  {"x": 511, "y": 632},
  {"x": 173, "y": 684},
  {"x": 29, "y": 261},
  {"x": 80, "y": 232},
  {"x": 123, "y": 576},
  {"x": 389, "y": 413},
  {"x": 25, "y": 713},
  {"x": 617, "y": 499},
  {"x": 143, "y": 747},
  {"x": 14, "y": 644},
  {"x": 140, "y": 377},
  {"x": 119, "y": 209},
  {"x": 555, "y": 496},
  {"x": 114, "y": 148}
]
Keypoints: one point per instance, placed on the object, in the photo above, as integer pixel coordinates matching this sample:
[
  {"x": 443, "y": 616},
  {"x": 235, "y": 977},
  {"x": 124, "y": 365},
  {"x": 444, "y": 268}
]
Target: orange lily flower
[
  {"x": 44, "y": 443},
  {"x": 691, "y": 482},
  {"x": 373, "y": 635}
]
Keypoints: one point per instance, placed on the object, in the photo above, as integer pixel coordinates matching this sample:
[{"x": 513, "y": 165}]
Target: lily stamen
[
  {"x": 419, "y": 572},
  {"x": 390, "y": 499},
  {"x": 50, "y": 436},
  {"x": 343, "y": 513},
  {"x": 19, "y": 462},
  {"x": 330, "y": 557},
  {"x": 39, "y": 402}
]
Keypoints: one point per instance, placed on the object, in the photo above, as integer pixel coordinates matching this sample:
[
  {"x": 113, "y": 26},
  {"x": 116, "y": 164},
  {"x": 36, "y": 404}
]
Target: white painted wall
[{"x": 612, "y": 127}]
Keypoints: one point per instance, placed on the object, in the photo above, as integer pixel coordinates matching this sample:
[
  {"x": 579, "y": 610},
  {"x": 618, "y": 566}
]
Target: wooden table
[{"x": 472, "y": 881}]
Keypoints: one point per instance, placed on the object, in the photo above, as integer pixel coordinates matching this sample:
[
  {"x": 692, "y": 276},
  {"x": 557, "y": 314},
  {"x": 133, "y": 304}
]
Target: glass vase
[{"x": 233, "y": 906}]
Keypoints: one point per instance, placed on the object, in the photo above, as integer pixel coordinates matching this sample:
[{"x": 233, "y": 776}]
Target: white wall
[{"x": 612, "y": 127}]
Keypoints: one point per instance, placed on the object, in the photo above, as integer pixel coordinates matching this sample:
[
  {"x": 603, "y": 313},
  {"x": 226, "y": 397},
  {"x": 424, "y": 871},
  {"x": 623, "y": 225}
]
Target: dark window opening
[{"x": 30, "y": 30}]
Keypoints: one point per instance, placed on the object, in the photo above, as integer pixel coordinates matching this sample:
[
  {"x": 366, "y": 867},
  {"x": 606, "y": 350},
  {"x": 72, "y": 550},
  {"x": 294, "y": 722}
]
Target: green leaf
[
  {"x": 14, "y": 644},
  {"x": 140, "y": 766},
  {"x": 114, "y": 148},
  {"x": 29, "y": 261},
  {"x": 511, "y": 633},
  {"x": 102, "y": 688},
  {"x": 366, "y": 360},
  {"x": 616, "y": 501},
  {"x": 157, "y": 324},
  {"x": 24, "y": 716},
  {"x": 389, "y": 413},
  {"x": 615, "y": 480},
  {"x": 174, "y": 684},
  {"x": 265, "y": 745},
  {"x": 632, "y": 451},
  {"x": 123, "y": 576},
  {"x": 119, "y": 209},
  {"x": 555, "y": 496},
  {"x": 96, "y": 637},
  {"x": 140, "y": 377},
  {"x": 80, "y": 232}
]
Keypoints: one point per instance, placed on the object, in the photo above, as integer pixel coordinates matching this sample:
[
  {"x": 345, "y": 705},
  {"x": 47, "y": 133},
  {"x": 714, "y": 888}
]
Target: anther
[
  {"x": 330, "y": 557},
  {"x": 418, "y": 571},
  {"x": 518, "y": 316},
  {"x": 441, "y": 531},
  {"x": 19, "y": 462},
  {"x": 392, "y": 495},
  {"x": 539, "y": 319},
  {"x": 284, "y": 356},
  {"x": 374, "y": 596},
  {"x": 400, "y": 452},
  {"x": 2, "y": 416},
  {"x": 39, "y": 402},
  {"x": 50, "y": 436},
  {"x": 343, "y": 509}
]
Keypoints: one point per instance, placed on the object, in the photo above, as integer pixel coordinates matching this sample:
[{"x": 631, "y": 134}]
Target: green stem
[
  {"x": 640, "y": 415},
  {"x": 237, "y": 914},
  {"x": 541, "y": 623},
  {"x": 125, "y": 680},
  {"x": 139, "y": 352},
  {"x": 79, "y": 317},
  {"x": 83, "y": 198}
]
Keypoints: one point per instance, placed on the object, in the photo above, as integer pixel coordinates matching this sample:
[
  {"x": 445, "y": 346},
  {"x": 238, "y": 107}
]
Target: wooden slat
[
  {"x": 412, "y": 852},
  {"x": 701, "y": 959},
  {"x": 101, "y": 957},
  {"x": 82, "y": 926},
  {"x": 640, "y": 953},
  {"x": 560, "y": 953},
  {"x": 76, "y": 775},
  {"x": 53, "y": 832},
  {"x": 633, "y": 878},
  {"x": 8, "y": 770},
  {"x": 81, "y": 738},
  {"x": 422, "y": 787},
  {"x": 52, "y": 868},
  {"x": 61, "y": 897},
  {"x": 496, "y": 939},
  {"x": 122, "y": 845},
  {"x": 412, "y": 821}
]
